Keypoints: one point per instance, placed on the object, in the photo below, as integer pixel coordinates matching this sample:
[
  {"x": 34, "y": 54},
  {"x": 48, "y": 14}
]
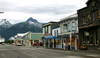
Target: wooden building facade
[{"x": 89, "y": 25}]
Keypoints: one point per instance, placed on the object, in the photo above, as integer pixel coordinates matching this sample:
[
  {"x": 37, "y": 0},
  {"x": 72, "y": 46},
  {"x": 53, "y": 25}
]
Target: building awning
[{"x": 50, "y": 37}]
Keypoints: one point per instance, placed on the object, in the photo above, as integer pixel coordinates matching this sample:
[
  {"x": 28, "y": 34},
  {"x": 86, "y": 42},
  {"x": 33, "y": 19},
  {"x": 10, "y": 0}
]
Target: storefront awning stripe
[{"x": 50, "y": 37}]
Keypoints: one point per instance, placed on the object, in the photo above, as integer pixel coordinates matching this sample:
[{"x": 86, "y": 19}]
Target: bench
[{"x": 83, "y": 48}]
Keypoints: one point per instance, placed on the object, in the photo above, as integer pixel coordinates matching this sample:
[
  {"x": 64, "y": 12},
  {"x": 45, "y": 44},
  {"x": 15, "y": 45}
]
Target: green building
[{"x": 31, "y": 38}]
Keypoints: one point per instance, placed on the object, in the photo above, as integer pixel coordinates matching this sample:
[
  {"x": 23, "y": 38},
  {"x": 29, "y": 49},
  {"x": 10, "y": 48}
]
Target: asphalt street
[{"x": 11, "y": 51}]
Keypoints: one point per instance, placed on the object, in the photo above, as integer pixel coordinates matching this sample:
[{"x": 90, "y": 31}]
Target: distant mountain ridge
[
  {"x": 4, "y": 23},
  {"x": 30, "y": 24},
  {"x": 34, "y": 21}
]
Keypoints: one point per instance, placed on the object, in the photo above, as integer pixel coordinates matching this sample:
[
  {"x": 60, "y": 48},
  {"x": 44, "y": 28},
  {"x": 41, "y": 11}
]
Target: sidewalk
[{"x": 83, "y": 51}]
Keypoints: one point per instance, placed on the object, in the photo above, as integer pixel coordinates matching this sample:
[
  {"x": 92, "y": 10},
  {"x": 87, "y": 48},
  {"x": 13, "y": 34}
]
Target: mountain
[
  {"x": 4, "y": 23},
  {"x": 34, "y": 22},
  {"x": 22, "y": 27}
]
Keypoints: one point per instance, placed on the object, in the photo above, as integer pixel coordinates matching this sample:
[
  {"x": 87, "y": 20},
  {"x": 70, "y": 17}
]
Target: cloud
[
  {"x": 54, "y": 9},
  {"x": 42, "y": 10}
]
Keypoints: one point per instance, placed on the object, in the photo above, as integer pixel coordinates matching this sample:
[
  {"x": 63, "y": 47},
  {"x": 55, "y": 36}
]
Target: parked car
[
  {"x": 12, "y": 43},
  {"x": 3, "y": 43},
  {"x": 19, "y": 44},
  {"x": 40, "y": 43}
]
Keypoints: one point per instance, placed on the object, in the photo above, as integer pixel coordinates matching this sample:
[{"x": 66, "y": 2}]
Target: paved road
[{"x": 11, "y": 51}]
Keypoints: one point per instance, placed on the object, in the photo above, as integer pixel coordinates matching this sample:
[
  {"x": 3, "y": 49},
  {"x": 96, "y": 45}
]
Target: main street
[{"x": 11, "y": 51}]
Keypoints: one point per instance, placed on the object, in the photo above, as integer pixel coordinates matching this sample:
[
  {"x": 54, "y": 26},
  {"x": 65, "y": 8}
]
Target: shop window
[
  {"x": 90, "y": 38},
  {"x": 73, "y": 44},
  {"x": 96, "y": 33},
  {"x": 84, "y": 41},
  {"x": 88, "y": 41},
  {"x": 58, "y": 42}
]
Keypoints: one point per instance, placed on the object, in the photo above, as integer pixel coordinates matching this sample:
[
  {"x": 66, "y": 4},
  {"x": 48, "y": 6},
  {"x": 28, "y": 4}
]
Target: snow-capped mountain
[
  {"x": 4, "y": 23},
  {"x": 34, "y": 21}
]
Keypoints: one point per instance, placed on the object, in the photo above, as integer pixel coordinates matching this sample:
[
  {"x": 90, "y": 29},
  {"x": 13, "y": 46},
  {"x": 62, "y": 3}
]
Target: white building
[{"x": 2, "y": 39}]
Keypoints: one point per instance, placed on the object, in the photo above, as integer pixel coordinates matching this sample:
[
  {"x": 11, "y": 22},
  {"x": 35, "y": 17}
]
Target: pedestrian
[
  {"x": 64, "y": 45},
  {"x": 37, "y": 44},
  {"x": 69, "y": 46},
  {"x": 33, "y": 45}
]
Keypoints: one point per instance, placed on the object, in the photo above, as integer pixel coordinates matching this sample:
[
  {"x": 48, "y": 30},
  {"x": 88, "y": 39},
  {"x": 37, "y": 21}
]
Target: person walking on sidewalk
[
  {"x": 64, "y": 45},
  {"x": 69, "y": 46}
]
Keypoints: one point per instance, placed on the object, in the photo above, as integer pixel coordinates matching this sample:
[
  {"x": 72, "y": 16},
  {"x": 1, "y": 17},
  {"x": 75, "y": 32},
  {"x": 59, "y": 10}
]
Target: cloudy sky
[{"x": 43, "y": 10}]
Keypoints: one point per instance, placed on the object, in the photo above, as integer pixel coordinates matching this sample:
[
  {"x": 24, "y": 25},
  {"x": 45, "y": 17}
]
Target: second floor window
[
  {"x": 69, "y": 27},
  {"x": 84, "y": 19},
  {"x": 47, "y": 29},
  {"x": 61, "y": 28},
  {"x": 65, "y": 28},
  {"x": 73, "y": 25},
  {"x": 94, "y": 16},
  {"x": 55, "y": 33}
]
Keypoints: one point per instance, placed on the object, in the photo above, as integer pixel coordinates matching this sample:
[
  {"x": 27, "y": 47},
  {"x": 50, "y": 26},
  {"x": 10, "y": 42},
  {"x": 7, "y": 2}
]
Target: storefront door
[{"x": 77, "y": 44}]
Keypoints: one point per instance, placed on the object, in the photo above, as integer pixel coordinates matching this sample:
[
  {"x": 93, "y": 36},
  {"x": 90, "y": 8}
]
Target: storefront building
[
  {"x": 32, "y": 38},
  {"x": 18, "y": 39},
  {"x": 69, "y": 31},
  {"x": 89, "y": 25},
  {"x": 57, "y": 41},
  {"x": 47, "y": 33}
]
